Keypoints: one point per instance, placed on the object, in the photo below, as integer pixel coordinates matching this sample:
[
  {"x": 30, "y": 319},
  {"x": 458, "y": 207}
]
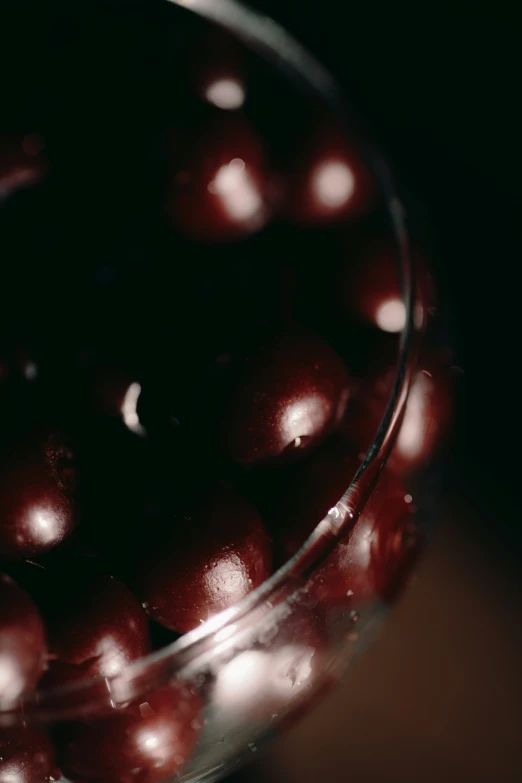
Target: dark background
[{"x": 439, "y": 84}]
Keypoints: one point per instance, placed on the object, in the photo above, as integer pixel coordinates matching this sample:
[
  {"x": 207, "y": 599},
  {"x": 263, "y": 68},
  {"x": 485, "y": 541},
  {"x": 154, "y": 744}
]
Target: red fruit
[
  {"x": 368, "y": 560},
  {"x": 37, "y": 479},
  {"x": 371, "y": 284},
  {"x": 427, "y": 418},
  {"x": 309, "y": 490},
  {"x": 100, "y": 628},
  {"x": 23, "y": 647},
  {"x": 217, "y": 182},
  {"x": 96, "y": 626},
  {"x": 329, "y": 180},
  {"x": 377, "y": 555},
  {"x": 148, "y": 741},
  {"x": 285, "y": 398},
  {"x": 22, "y": 163},
  {"x": 221, "y": 553},
  {"x": 26, "y": 755}
]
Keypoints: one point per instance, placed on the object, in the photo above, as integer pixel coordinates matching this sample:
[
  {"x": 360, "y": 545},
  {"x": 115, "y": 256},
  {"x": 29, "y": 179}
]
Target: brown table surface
[{"x": 438, "y": 697}]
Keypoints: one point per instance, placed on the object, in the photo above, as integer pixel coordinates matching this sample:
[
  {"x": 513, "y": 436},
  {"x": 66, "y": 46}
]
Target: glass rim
[{"x": 261, "y": 34}]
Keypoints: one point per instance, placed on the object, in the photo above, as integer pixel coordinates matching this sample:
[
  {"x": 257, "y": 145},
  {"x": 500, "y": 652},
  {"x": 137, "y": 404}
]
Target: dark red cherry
[
  {"x": 217, "y": 181},
  {"x": 308, "y": 490},
  {"x": 329, "y": 180},
  {"x": 23, "y": 648},
  {"x": 427, "y": 419},
  {"x": 37, "y": 481},
  {"x": 374, "y": 556},
  {"x": 95, "y": 625},
  {"x": 217, "y": 553},
  {"x": 22, "y": 163},
  {"x": 27, "y": 755},
  {"x": 285, "y": 397},
  {"x": 148, "y": 741},
  {"x": 429, "y": 415},
  {"x": 370, "y": 284},
  {"x": 378, "y": 554}
]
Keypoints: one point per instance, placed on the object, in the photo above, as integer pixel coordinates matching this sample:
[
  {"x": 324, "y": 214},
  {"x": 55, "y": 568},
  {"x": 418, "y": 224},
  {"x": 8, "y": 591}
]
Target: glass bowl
[{"x": 207, "y": 702}]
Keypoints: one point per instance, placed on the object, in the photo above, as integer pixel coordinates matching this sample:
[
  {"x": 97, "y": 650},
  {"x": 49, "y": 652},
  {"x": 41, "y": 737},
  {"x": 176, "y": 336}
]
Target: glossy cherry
[
  {"x": 217, "y": 552},
  {"x": 149, "y": 741},
  {"x": 370, "y": 283},
  {"x": 37, "y": 482},
  {"x": 27, "y": 755},
  {"x": 22, "y": 163},
  {"x": 217, "y": 181},
  {"x": 329, "y": 180},
  {"x": 286, "y": 396},
  {"x": 95, "y": 625},
  {"x": 23, "y": 646}
]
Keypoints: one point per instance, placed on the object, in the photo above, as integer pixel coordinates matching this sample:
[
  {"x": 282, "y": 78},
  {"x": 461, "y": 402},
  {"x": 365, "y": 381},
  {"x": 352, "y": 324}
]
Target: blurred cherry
[
  {"x": 217, "y": 553},
  {"x": 372, "y": 558},
  {"x": 219, "y": 76},
  {"x": 22, "y": 163},
  {"x": 17, "y": 362},
  {"x": 371, "y": 284},
  {"x": 148, "y": 741},
  {"x": 283, "y": 663},
  {"x": 427, "y": 419},
  {"x": 328, "y": 179},
  {"x": 27, "y": 755},
  {"x": 429, "y": 414},
  {"x": 217, "y": 181},
  {"x": 285, "y": 397},
  {"x": 38, "y": 476},
  {"x": 379, "y": 552},
  {"x": 23, "y": 648}
]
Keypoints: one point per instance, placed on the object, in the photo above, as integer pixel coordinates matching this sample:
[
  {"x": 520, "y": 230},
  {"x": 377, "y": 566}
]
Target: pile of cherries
[{"x": 193, "y": 378}]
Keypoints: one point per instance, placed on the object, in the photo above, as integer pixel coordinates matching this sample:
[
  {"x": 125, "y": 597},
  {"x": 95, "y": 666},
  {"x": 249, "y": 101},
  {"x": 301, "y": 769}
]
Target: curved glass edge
[{"x": 273, "y": 43}]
